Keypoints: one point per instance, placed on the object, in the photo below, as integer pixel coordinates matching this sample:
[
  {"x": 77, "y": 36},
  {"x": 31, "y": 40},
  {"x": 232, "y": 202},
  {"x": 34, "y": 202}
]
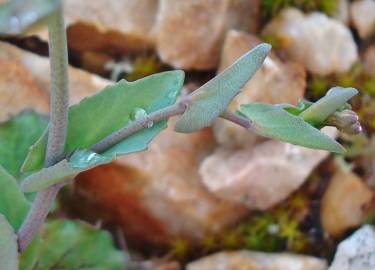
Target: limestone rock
[
  {"x": 257, "y": 261},
  {"x": 275, "y": 82},
  {"x": 345, "y": 203},
  {"x": 111, "y": 26},
  {"x": 244, "y": 15},
  {"x": 342, "y": 13},
  {"x": 189, "y": 33},
  {"x": 25, "y": 80},
  {"x": 356, "y": 252},
  {"x": 324, "y": 45},
  {"x": 157, "y": 194},
  {"x": 369, "y": 60},
  {"x": 19, "y": 90},
  {"x": 362, "y": 13},
  {"x": 259, "y": 177}
]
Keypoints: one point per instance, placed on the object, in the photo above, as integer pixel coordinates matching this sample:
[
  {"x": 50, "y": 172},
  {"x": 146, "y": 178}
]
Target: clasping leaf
[
  {"x": 213, "y": 98},
  {"x": 274, "y": 122}
]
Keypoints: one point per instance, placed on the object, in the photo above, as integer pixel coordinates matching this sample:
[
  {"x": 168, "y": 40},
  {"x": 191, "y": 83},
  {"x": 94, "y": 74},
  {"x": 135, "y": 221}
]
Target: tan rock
[
  {"x": 324, "y": 45},
  {"x": 345, "y": 203},
  {"x": 244, "y": 15},
  {"x": 275, "y": 82},
  {"x": 248, "y": 260},
  {"x": 362, "y": 14},
  {"x": 369, "y": 60},
  {"x": 189, "y": 33},
  {"x": 158, "y": 193},
  {"x": 259, "y": 177},
  {"x": 342, "y": 12},
  {"x": 36, "y": 79},
  {"x": 19, "y": 90},
  {"x": 111, "y": 26}
]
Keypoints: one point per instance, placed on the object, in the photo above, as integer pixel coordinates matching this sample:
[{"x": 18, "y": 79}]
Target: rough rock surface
[
  {"x": 322, "y": 44},
  {"x": 257, "y": 261},
  {"x": 244, "y": 15},
  {"x": 275, "y": 82},
  {"x": 362, "y": 14},
  {"x": 261, "y": 176},
  {"x": 342, "y": 13},
  {"x": 157, "y": 194},
  {"x": 122, "y": 25},
  {"x": 30, "y": 89},
  {"x": 116, "y": 27},
  {"x": 188, "y": 33},
  {"x": 345, "y": 203},
  {"x": 356, "y": 252},
  {"x": 369, "y": 60}
]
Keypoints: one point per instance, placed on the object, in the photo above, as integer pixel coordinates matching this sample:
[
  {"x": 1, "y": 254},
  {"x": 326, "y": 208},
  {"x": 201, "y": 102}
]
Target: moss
[
  {"x": 144, "y": 66},
  {"x": 180, "y": 248},
  {"x": 270, "y": 8}
]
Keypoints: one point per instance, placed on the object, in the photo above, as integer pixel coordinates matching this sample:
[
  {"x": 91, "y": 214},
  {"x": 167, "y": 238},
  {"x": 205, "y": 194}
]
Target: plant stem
[
  {"x": 155, "y": 117},
  {"x": 139, "y": 124},
  {"x": 59, "y": 101},
  {"x": 237, "y": 119}
]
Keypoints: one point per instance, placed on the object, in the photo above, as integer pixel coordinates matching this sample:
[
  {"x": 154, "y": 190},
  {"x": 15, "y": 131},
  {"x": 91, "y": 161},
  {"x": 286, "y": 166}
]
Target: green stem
[{"x": 59, "y": 98}]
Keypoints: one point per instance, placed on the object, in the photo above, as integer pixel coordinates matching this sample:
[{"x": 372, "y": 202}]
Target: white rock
[
  {"x": 345, "y": 203},
  {"x": 356, "y": 252},
  {"x": 275, "y": 82},
  {"x": 238, "y": 260},
  {"x": 362, "y": 14},
  {"x": 259, "y": 177},
  {"x": 342, "y": 13},
  {"x": 322, "y": 44},
  {"x": 189, "y": 33}
]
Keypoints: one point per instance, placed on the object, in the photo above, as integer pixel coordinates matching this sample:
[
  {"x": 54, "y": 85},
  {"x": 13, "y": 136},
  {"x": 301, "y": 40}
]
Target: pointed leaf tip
[
  {"x": 274, "y": 122},
  {"x": 213, "y": 98},
  {"x": 335, "y": 98}
]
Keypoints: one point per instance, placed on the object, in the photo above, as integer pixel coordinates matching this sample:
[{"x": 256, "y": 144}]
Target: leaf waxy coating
[
  {"x": 8, "y": 246},
  {"x": 274, "y": 122},
  {"x": 213, "y": 98}
]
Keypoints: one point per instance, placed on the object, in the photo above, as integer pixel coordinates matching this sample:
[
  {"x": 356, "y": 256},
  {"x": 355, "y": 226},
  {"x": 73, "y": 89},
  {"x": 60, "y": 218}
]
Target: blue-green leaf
[
  {"x": 114, "y": 107},
  {"x": 16, "y": 137},
  {"x": 335, "y": 98},
  {"x": 80, "y": 161},
  {"x": 8, "y": 246},
  {"x": 69, "y": 245},
  {"x": 213, "y": 98},
  {"x": 13, "y": 204},
  {"x": 276, "y": 123},
  {"x": 18, "y": 16}
]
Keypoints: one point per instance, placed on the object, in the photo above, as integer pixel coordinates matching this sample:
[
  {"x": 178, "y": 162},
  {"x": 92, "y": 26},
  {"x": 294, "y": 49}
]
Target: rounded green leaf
[
  {"x": 276, "y": 123},
  {"x": 8, "y": 246},
  {"x": 70, "y": 245},
  {"x": 16, "y": 136},
  {"x": 13, "y": 204},
  {"x": 213, "y": 98},
  {"x": 113, "y": 108}
]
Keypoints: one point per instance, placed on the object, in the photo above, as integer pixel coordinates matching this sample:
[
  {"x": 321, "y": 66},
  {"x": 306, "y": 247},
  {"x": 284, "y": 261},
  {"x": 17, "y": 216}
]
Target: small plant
[{"x": 122, "y": 119}]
